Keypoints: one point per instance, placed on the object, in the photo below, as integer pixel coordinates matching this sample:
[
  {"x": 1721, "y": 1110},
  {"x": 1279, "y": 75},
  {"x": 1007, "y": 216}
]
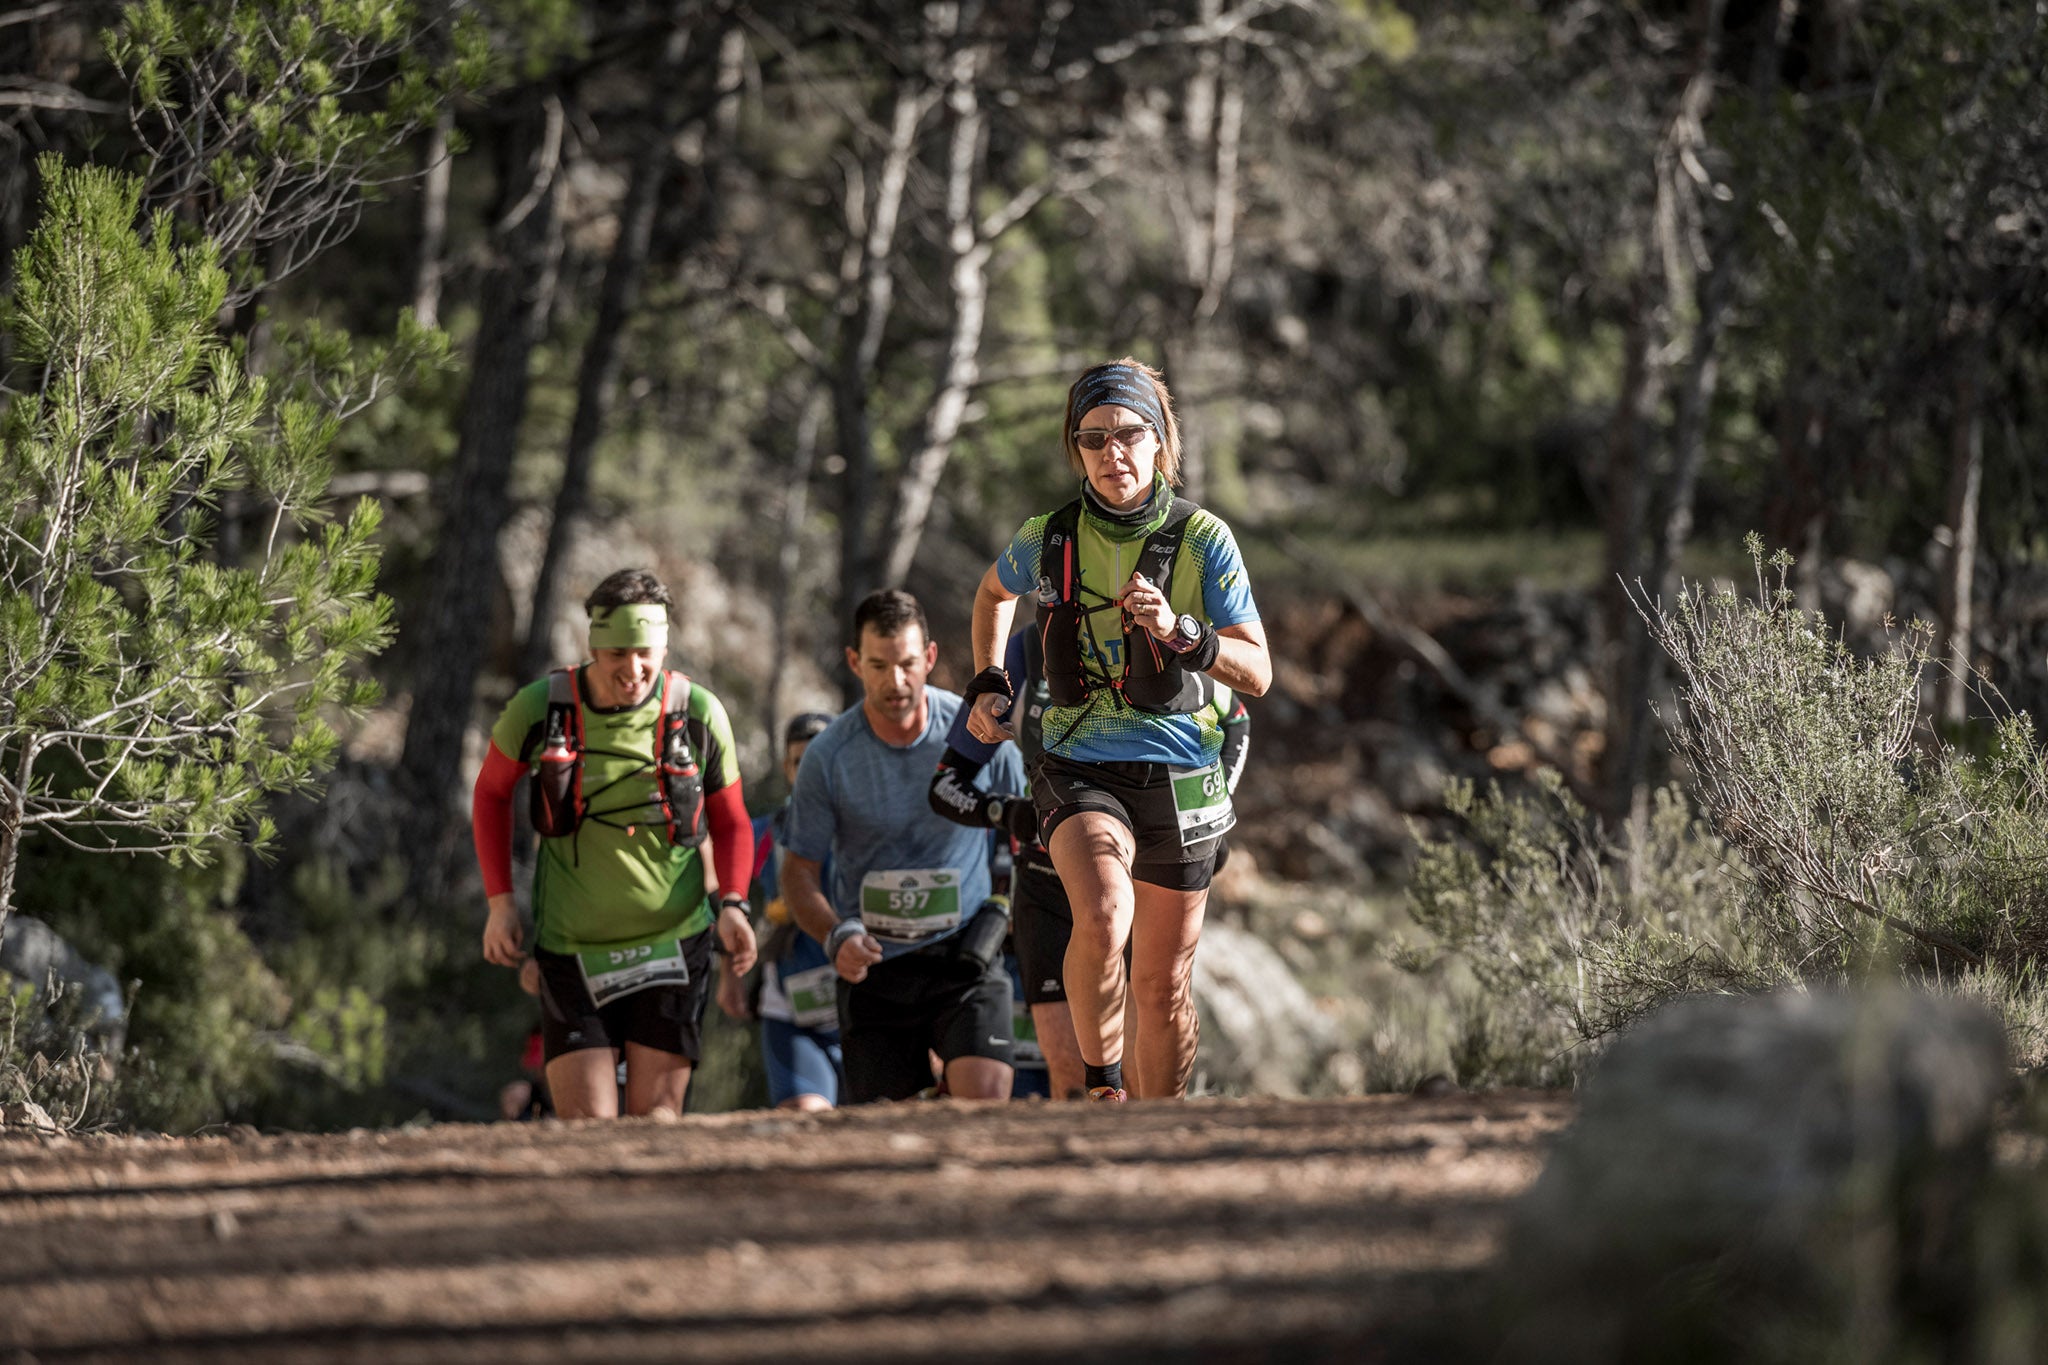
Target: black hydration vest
[
  {"x": 559, "y": 805},
  {"x": 1149, "y": 681}
]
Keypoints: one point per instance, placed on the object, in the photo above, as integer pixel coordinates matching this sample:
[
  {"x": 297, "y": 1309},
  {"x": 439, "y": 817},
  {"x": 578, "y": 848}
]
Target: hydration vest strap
[
  {"x": 1060, "y": 630},
  {"x": 557, "y": 770},
  {"x": 565, "y": 703},
  {"x": 679, "y": 786}
]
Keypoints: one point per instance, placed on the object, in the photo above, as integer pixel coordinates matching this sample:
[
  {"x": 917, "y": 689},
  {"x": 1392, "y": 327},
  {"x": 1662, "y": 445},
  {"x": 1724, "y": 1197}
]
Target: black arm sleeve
[
  {"x": 953, "y": 794},
  {"x": 1237, "y": 741}
]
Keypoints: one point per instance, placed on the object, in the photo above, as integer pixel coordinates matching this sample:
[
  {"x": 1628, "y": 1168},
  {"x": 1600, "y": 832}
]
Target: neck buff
[
  {"x": 1123, "y": 386},
  {"x": 1141, "y": 520},
  {"x": 639, "y": 625}
]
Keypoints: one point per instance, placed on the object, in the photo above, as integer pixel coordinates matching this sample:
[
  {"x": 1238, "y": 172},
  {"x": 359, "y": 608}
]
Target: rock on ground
[
  {"x": 1746, "y": 1171},
  {"x": 1261, "y": 1033}
]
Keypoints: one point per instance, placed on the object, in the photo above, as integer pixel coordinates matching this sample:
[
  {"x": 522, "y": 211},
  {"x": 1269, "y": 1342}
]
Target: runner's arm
[
  {"x": 490, "y": 819},
  {"x": 954, "y": 796},
  {"x": 1243, "y": 663},
  {"x": 995, "y": 606},
  {"x": 732, "y": 839},
  {"x": 732, "y": 858},
  {"x": 994, "y": 609},
  {"x": 490, "y": 827},
  {"x": 804, "y": 892}
]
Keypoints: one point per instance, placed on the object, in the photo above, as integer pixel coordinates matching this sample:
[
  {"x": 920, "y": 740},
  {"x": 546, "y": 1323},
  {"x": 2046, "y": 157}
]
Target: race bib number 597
[{"x": 910, "y": 905}]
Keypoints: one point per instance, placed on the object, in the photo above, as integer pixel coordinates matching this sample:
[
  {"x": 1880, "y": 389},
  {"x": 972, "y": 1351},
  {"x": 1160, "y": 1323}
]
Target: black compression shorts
[
  {"x": 1141, "y": 795},
  {"x": 932, "y": 1000},
  {"x": 1041, "y": 922},
  {"x": 665, "y": 1018}
]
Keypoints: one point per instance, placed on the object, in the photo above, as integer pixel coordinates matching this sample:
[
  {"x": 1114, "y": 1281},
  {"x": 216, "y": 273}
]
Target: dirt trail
[{"x": 1252, "y": 1230}]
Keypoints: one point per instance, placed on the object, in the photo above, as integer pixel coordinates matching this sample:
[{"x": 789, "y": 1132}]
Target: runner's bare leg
[
  {"x": 1166, "y": 924},
  {"x": 585, "y": 1083},
  {"x": 655, "y": 1080},
  {"x": 1092, "y": 852}
]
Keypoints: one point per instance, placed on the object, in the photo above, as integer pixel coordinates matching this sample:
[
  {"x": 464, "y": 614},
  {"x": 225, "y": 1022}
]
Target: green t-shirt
[{"x": 617, "y": 879}]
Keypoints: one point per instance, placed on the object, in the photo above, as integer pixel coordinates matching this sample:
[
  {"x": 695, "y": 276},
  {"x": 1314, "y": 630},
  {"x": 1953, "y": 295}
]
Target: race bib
[
  {"x": 814, "y": 997},
  {"x": 615, "y": 973},
  {"x": 1201, "y": 800},
  {"x": 910, "y": 906}
]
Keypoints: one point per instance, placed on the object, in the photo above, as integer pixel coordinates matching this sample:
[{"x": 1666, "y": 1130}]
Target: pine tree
[{"x": 151, "y": 696}]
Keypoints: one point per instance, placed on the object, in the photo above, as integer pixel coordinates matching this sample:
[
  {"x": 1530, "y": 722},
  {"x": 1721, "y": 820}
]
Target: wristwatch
[
  {"x": 738, "y": 903},
  {"x": 1187, "y": 633}
]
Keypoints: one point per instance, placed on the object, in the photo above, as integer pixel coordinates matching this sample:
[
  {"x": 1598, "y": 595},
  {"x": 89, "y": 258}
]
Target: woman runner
[{"x": 1143, "y": 607}]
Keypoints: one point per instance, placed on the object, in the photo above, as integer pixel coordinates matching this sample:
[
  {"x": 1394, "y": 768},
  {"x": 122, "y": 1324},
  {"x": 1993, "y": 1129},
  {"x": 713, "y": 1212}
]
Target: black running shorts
[
  {"x": 1041, "y": 922},
  {"x": 665, "y": 1018},
  {"x": 1141, "y": 796},
  {"x": 932, "y": 1000}
]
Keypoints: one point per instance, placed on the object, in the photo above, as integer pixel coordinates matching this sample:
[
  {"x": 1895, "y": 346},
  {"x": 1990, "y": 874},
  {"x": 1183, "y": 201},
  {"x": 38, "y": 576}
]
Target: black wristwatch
[
  {"x": 738, "y": 903},
  {"x": 1187, "y": 633}
]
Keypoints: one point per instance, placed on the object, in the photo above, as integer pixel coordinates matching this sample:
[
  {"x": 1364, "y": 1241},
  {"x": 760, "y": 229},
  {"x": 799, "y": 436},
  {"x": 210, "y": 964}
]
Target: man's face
[
  {"x": 892, "y": 670},
  {"x": 625, "y": 676}
]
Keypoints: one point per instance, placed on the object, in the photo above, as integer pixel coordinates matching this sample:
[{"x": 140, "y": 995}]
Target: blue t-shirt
[
  {"x": 913, "y": 876},
  {"x": 1208, "y": 581}
]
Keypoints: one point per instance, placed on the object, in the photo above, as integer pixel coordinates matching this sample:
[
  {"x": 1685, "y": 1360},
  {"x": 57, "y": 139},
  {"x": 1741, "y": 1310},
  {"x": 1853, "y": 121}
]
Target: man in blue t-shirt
[{"x": 918, "y": 973}]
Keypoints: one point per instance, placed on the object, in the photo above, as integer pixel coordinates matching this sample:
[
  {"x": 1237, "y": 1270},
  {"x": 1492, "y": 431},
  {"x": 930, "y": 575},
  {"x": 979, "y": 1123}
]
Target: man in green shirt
[{"x": 630, "y": 765}]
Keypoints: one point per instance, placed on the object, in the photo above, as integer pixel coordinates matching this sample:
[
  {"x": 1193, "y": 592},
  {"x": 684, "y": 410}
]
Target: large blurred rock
[
  {"x": 89, "y": 998},
  {"x": 1750, "y": 1173},
  {"x": 1261, "y": 1033}
]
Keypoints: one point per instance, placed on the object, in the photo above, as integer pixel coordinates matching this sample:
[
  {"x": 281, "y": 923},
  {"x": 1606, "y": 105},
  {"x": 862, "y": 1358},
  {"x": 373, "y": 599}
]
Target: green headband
[{"x": 635, "y": 626}]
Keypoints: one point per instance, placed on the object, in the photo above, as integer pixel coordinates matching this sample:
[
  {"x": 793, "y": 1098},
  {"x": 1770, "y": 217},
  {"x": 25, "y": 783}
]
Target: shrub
[
  {"x": 1837, "y": 838},
  {"x": 1570, "y": 932}
]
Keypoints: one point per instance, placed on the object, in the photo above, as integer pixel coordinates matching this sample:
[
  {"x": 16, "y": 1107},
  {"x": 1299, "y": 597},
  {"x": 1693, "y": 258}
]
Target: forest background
[{"x": 1478, "y": 316}]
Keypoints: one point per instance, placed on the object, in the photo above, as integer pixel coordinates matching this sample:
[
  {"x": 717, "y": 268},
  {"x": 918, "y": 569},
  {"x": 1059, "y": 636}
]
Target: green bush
[
  {"x": 1837, "y": 838},
  {"x": 1570, "y": 932}
]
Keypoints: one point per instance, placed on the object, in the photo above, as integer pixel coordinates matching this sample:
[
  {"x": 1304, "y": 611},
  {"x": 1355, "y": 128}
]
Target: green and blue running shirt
[
  {"x": 617, "y": 879},
  {"x": 1209, "y": 582}
]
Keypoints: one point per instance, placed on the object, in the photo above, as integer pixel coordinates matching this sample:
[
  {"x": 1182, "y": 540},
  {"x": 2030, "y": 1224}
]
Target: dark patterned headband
[{"x": 1122, "y": 385}]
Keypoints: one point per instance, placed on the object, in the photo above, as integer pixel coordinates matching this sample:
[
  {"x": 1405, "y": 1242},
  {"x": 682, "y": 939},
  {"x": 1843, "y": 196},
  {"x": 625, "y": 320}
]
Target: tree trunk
[
  {"x": 597, "y": 380},
  {"x": 969, "y": 282},
  {"x": 1959, "y": 570},
  {"x": 860, "y": 348},
  {"x": 1629, "y": 769},
  {"x": 13, "y": 811},
  {"x": 437, "y": 172},
  {"x": 1627, "y": 514},
  {"x": 789, "y": 552},
  {"x": 452, "y": 625}
]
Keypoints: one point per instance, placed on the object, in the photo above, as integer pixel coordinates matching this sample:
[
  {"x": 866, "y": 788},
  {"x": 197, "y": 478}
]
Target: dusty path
[{"x": 1216, "y": 1230}]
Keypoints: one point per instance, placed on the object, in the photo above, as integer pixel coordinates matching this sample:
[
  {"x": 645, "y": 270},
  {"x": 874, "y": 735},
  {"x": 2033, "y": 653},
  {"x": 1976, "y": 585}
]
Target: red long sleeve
[
  {"x": 732, "y": 839},
  {"x": 490, "y": 819}
]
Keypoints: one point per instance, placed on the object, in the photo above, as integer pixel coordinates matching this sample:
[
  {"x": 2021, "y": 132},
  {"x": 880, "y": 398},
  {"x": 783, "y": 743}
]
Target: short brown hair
[
  {"x": 626, "y": 588},
  {"x": 889, "y": 611},
  {"x": 1169, "y": 424}
]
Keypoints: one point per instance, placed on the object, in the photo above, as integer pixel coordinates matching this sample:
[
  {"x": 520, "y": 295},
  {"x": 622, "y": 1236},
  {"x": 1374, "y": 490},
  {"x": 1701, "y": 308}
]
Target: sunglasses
[{"x": 1095, "y": 438}]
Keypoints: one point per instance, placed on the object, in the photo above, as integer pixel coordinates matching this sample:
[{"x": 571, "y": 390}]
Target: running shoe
[{"x": 1106, "y": 1094}]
